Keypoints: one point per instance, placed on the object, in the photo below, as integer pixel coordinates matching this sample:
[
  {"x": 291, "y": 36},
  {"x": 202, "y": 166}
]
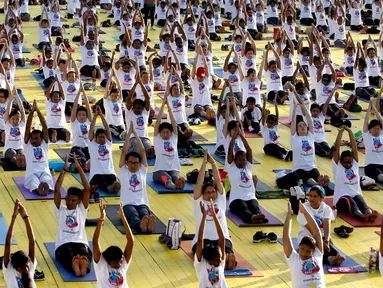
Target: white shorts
[{"x": 32, "y": 181}]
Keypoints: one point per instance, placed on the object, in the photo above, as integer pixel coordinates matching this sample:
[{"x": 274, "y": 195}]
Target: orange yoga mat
[{"x": 242, "y": 263}]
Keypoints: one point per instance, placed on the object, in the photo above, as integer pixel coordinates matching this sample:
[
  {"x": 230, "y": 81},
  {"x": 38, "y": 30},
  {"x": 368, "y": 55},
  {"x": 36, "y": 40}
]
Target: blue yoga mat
[
  {"x": 161, "y": 189},
  {"x": 306, "y": 186},
  {"x": 26, "y": 66},
  {"x": 4, "y": 231},
  {"x": 26, "y": 50},
  {"x": 39, "y": 79},
  {"x": 150, "y": 162},
  {"x": 346, "y": 263},
  {"x": 101, "y": 192},
  {"x": 22, "y": 98},
  {"x": 218, "y": 72},
  {"x": 117, "y": 38},
  {"x": 68, "y": 276},
  {"x": 238, "y": 272},
  {"x": 220, "y": 159},
  {"x": 56, "y": 165}
]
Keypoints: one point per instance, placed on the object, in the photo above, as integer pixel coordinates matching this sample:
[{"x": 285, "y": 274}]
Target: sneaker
[
  {"x": 185, "y": 162},
  {"x": 272, "y": 237},
  {"x": 91, "y": 198},
  {"x": 97, "y": 197},
  {"x": 259, "y": 237},
  {"x": 39, "y": 276},
  {"x": 251, "y": 129}
]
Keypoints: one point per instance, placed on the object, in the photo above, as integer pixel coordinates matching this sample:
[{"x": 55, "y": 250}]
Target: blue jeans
[{"x": 134, "y": 214}]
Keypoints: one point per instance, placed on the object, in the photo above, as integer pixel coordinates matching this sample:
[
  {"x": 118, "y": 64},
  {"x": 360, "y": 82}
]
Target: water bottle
[
  {"x": 300, "y": 184},
  {"x": 372, "y": 261},
  {"x": 335, "y": 213}
]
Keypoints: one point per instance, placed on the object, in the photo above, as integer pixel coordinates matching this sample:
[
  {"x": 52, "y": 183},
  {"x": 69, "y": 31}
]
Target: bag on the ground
[
  {"x": 352, "y": 99},
  {"x": 272, "y": 194},
  {"x": 173, "y": 234}
]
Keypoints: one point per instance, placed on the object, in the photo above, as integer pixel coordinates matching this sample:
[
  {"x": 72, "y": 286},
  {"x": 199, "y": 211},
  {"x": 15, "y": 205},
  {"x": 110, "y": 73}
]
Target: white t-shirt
[
  {"x": 139, "y": 53},
  {"x": 80, "y": 133},
  {"x": 287, "y": 65},
  {"x": 319, "y": 129},
  {"x": 349, "y": 61},
  {"x": 14, "y": 136},
  {"x": 161, "y": 12},
  {"x": 241, "y": 180},
  {"x": 256, "y": 114},
  {"x": 306, "y": 11},
  {"x": 361, "y": 78},
  {"x": 164, "y": 48},
  {"x": 71, "y": 90},
  {"x": 305, "y": 98},
  {"x": 248, "y": 63},
  {"x": 36, "y": 158},
  {"x": 108, "y": 277},
  {"x": 113, "y": 112},
  {"x": 270, "y": 135},
  {"x": 220, "y": 125},
  {"x": 210, "y": 229},
  {"x": 126, "y": 79},
  {"x": 140, "y": 122},
  {"x": 17, "y": 49},
  {"x": 305, "y": 273},
  {"x": 356, "y": 17},
  {"x": 150, "y": 89},
  {"x": 201, "y": 92},
  {"x": 48, "y": 72},
  {"x": 374, "y": 148},
  {"x": 323, "y": 92},
  {"x": 321, "y": 18},
  {"x": 190, "y": 31},
  {"x": 251, "y": 89},
  {"x": 102, "y": 159},
  {"x": 71, "y": 224},
  {"x": 272, "y": 12},
  {"x": 55, "y": 19},
  {"x": 322, "y": 212},
  {"x": 290, "y": 30},
  {"x": 234, "y": 80},
  {"x": 166, "y": 154},
  {"x": 133, "y": 186},
  {"x": 181, "y": 53},
  {"x": 340, "y": 31},
  {"x": 55, "y": 114},
  {"x": 376, "y": 12},
  {"x": 373, "y": 66},
  {"x": 43, "y": 35},
  {"x": 260, "y": 17},
  {"x": 177, "y": 104},
  {"x": 3, "y": 106},
  {"x": 13, "y": 278},
  {"x": 346, "y": 181},
  {"x": 274, "y": 80},
  {"x": 303, "y": 151},
  {"x": 209, "y": 275},
  {"x": 238, "y": 146},
  {"x": 89, "y": 57}
]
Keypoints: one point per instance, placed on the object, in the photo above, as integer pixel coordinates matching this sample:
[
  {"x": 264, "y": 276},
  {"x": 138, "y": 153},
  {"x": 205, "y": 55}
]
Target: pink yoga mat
[
  {"x": 164, "y": 115},
  {"x": 273, "y": 221},
  {"x": 252, "y": 135},
  {"x": 284, "y": 120},
  {"x": 354, "y": 221},
  {"x": 28, "y": 195}
]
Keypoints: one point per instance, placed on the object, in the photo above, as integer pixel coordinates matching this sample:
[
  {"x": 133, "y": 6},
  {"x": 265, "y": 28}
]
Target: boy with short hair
[{"x": 250, "y": 116}]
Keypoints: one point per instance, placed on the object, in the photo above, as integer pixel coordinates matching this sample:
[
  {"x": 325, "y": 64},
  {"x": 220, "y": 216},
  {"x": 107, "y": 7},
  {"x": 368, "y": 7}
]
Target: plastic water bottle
[
  {"x": 372, "y": 261},
  {"x": 300, "y": 184}
]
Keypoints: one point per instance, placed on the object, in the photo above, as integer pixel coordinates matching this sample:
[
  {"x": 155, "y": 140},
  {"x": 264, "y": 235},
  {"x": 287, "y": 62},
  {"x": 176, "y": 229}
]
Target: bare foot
[
  {"x": 340, "y": 259},
  {"x": 54, "y": 137},
  {"x": 332, "y": 260},
  {"x": 114, "y": 188},
  {"x": 67, "y": 137},
  {"x": 230, "y": 262},
  {"x": 83, "y": 265},
  {"x": 180, "y": 183},
  {"x": 76, "y": 265},
  {"x": 144, "y": 224},
  {"x": 170, "y": 185},
  {"x": 320, "y": 180},
  {"x": 326, "y": 180},
  {"x": 257, "y": 219},
  {"x": 41, "y": 190},
  {"x": 366, "y": 216},
  {"x": 151, "y": 223},
  {"x": 373, "y": 216}
]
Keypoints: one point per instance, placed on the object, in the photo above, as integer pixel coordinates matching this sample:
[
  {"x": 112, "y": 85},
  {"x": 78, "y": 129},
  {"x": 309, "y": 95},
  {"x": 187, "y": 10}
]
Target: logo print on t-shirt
[
  {"x": 55, "y": 108},
  {"x": 306, "y": 146},
  {"x": 51, "y": 73},
  {"x": 213, "y": 275},
  {"x": 377, "y": 143},
  {"x": 253, "y": 87},
  {"x": 274, "y": 76},
  {"x": 372, "y": 62},
  {"x": 2, "y": 110},
  {"x": 166, "y": 46},
  {"x": 115, "y": 278},
  {"x": 16, "y": 48},
  {"x": 19, "y": 282},
  {"x": 319, "y": 221},
  {"x": 273, "y": 135},
  {"x": 350, "y": 60},
  {"x": 317, "y": 124},
  {"x": 288, "y": 62},
  {"x": 191, "y": 29},
  {"x": 147, "y": 87},
  {"x": 102, "y": 150},
  {"x": 236, "y": 147},
  {"x": 356, "y": 12},
  {"x": 140, "y": 121},
  {"x": 180, "y": 49},
  {"x": 310, "y": 267},
  {"x": 238, "y": 47},
  {"x": 305, "y": 58},
  {"x": 176, "y": 103},
  {"x": 362, "y": 75},
  {"x": 350, "y": 174},
  {"x": 14, "y": 131},
  {"x": 137, "y": 52},
  {"x": 341, "y": 30},
  {"x": 70, "y": 221},
  {"x": 201, "y": 87},
  {"x": 244, "y": 178},
  {"x": 71, "y": 88},
  {"x": 233, "y": 78},
  {"x": 321, "y": 16},
  {"x": 116, "y": 108},
  {"x": 168, "y": 146},
  {"x": 38, "y": 153},
  {"x": 89, "y": 53},
  {"x": 327, "y": 90},
  {"x": 83, "y": 129},
  {"x": 208, "y": 212},
  {"x": 127, "y": 77},
  {"x": 45, "y": 32},
  {"x": 56, "y": 16},
  {"x": 134, "y": 181},
  {"x": 249, "y": 63}
]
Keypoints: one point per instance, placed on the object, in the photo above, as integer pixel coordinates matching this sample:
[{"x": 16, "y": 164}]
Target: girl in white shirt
[
  {"x": 348, "y": 196},
  {"x": 323, "y": 216},
  {"x": 362, "y": 76},
  {"x": 306, "y": 265},
  {"x": 372, "y": 62},
  {"x": 111, "y": 266},
  {"x": 272, "y": 13},
  {"x": 18, "y": 267},
  {"x": 349, "y": 55},
  {"x": 212, "y": 193},
  {"x": 234, "y": 74},
  {"x": 134, "y": 197},
  {"x": 90, "y": 66},
  {"x": 287, "y": 60},
  {"x": 55, "y": 21},
  {"x": 356, "y": 16},
  {"x": 44, "y": 31},
  {"x": 16, "y": 45},
  {"x": 71, "y": 85},
  {"x": 248, "y": 55},
  {"x": 167, "y": 166}
]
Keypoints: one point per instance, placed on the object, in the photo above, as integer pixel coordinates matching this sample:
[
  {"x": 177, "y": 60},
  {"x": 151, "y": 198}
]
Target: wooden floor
[{"x": 153, "y": 264}]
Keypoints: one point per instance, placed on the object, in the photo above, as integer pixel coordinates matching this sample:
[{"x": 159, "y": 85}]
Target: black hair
[
  {"x": 157, "y": 60},
  {"x": 328, "y": 76},
  {"x": 364, "y": 42},
  {"x": 239, "y": 154},
  {"x": 5, "y": 92},
  {"x": 250, "y": 100},
  {"x": 35, "y": 131},
  {"x": 106, "y": 65},
  {"x": 210, "y": 251},
  {"x": 208, "y": 184},
  {"x": 114, "y": 90},
  {"x": 74, "y": 191},
  {"x": 272, "y": 117},
  {"x": 345, "y": 154},
  {"x": 166, "y": 35},
  {"x": 287, "y": 49},
  {"x": 112, "y": 253},
  {"x": 272, "y": 62},
  {"x": 223, "y": 107},
  {"x": 82, "y": 109},
  {"x": 5, "y": 59},
  {"x": 100, "y": 131},
  {"x": 299, "y": 85},
  {"x": 248, "y": 48},
  {"x": 231, "y": 125},
  {"x": 350, "y": 48},
  {"x": 231, "y": 65},
  {"x": 325, "y": 49},
  {"x": 373, "y": 123},
  {"x": 370, "y": 49},
  {"x": 209, "y": 12},
  {"x": 309, "y": 241},
  {"x": 13, "y": 112},
  {"x": 50, "y": 60},
  {"x": 125, "y": 63},
  {"x": 62, "y": 61},
  {"x": 44, "y": 21},
  {"x": 237, "y": 36},
  {"x": 20, "y": 259},
  {"x": 314, "y": 105},
  {"x": 289, "y": 18},
  {"x": 362, "y": 62},
  {"x": 138, "y": 102},
  {"x": 133, "y": 154},
  {"x": 316, "y": 58},
  {"x": 165, "y": 125},
  {"x": 305, "y": 49},
  {"x": 251, "y": 70}
]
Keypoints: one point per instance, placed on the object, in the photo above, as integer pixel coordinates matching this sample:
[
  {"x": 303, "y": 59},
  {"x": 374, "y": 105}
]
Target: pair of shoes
[
  {"x": 194, "y": 153},
  {"x": 342, "y": 231},
  {"x": 39, "y": 276},
  {"x": 289, "y": 156},
  {"x": 185, "y": 162},
  {"x": 225, "y": 47},
  {"x": 156, "y": 46},
  {"x": 220, "y": 153},
  {"x": 260, "y": 236}
]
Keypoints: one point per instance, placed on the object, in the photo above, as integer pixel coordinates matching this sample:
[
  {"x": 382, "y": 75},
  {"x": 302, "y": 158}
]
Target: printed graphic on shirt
[
  {"x": 14, "y": 131},
  {"x": 19, "y": 283},
  {"x": 377, "y": 143},
  {"x": 134, "y": 182},
  {"x": 244, "y": 178},
  {"x": 273, "y": 135},
  {"x": 2, "y": 111},
  {"x": 116, "y": 107},
  {"x": 236, "y": 147},
  {"x": 213, "y": 275},
  {"x": 319, "y": 221},
  {"x": 84, "y": 129},
  {"x": 38, "y": 153},
  {"x": 306, "y": 146},
  {"x": 70, "y": 221},
  {"x": 55, "y": 108},
  {"x": 102, "y": 150},
  {"x": 168, "y": 146},
  {"x": 350, "y": 174},
  {"x": 116, "y": 279},
  {"x": 310, "y": 267},
  {"x": 317, "y": 124},
  {"x": 176, "y": 103},
  {"x": 216, "y": 209},
  {"x": 71, "y": 88}
]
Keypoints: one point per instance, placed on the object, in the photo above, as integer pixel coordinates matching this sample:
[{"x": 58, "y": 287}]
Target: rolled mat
[
  {"x": 101, "y": 192},
  {"x": 111, "y": 213},
  {"x": 161, "y": 189},
  {"x": 242, "y": 264},
  {"x": 4, "y": 231},
  {"x": 28, "y": 195},
  {"x": 69, "y": 276},
  {"x": 348, "y": 263}
]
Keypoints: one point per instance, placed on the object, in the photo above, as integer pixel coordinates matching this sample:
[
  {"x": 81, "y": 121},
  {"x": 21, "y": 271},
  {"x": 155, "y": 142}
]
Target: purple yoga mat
[
  {"x": 28, "y": 195},
  {"x": 273, "y": 221},
  {"x": 155, "y": 116}
]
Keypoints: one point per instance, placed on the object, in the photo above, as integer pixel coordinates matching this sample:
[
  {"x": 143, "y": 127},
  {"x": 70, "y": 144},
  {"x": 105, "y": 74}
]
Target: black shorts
[
  {"x": 61, "y": 133},
  {"x": 228, "y": 245},
  {"x": 64, "y": 254}
]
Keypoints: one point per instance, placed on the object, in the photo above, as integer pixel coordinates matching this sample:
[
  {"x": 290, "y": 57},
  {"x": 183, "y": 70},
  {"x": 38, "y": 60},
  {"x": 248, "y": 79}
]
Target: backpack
[
  {"x": 352, "y": 99},
  {"x": 173, "y": 234}
]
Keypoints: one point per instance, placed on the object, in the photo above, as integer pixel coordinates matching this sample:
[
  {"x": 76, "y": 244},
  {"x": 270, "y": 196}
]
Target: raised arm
[
  {"x": 287, "y": 243},
  {"x": 367, "y": 117},
  {"x": 312, "y": 226},
  {"x": 8, "y": 238},
  {"x": 201, "y": 232},
  {"x": 336, "y": 153},
  {"x": 43, "y": 123},
  {"x": 96, "y": 236},
  {"x": 159, "y": 118}
]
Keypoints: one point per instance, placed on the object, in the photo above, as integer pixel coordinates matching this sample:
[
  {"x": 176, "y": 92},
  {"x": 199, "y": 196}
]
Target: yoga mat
[
  {"x": 4, "y": 231},
  {"x": 346, "y": 263},
  {"x": 26, "y": 50},
  {"x": 26, "y": 66},
  {"x": 197, "y": 137},
  {"x": 354, "y": 221},
  {"x": 101, "y": 192},
  {"x": 62, "y": 152},
  {"x": 273, "y": 221},
  {"x": 284, "y": 120},
  {"x": 65, "y": 275},
  {"x": 150, "y": 162},
  {"x": 219, "y": 72},
  {"x": 161, "y": 189},
  {"x": 331, "y": 185},
  {"x": 114, "y": 138},
  {"x": 220, "y": 159},
  {"x": 111, "y": 213},
  {"x": 242, "y": 263},
  {"x": 378, "y": 232},
  {"x": 263, "y": 186},
  {"x": 37, "y": 47},
  {"x": 156, "y": 110},
  {"x": 350, "y": 117},
  {"x": 22, "y": 98},
  {"x": 39, "y": 79},
  {"x": 28, "y": 195},
  {"x": 63, "y": 20},
  {"x": 117, "y": 38},
  {"x": 373, "y": 86},
  {"x": 252, "y": 135},
  {"x": 101, "y": 31},
  {"x": 191, "y": 61}
]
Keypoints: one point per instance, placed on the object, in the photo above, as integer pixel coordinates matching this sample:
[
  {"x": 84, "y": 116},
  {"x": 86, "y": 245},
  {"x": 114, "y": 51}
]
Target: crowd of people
[{"x": 296, "y": 68}]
